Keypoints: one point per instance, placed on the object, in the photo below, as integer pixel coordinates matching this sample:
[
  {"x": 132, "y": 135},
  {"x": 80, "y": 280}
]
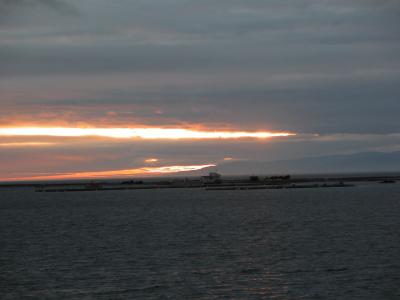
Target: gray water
[{"x": 338, "y": 243}]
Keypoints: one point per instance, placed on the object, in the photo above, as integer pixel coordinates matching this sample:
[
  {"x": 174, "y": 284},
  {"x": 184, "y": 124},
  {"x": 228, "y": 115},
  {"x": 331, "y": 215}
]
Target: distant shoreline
[
  {"x": 224, "y": 183},
  {"x": 297, "y": 177}
]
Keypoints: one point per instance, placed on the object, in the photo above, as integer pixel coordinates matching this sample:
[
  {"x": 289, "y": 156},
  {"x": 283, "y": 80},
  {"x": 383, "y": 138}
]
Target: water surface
[{"x": 337, "y": 243}]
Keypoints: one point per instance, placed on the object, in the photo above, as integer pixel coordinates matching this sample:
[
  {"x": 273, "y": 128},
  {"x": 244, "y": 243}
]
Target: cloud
[
  {"x": 55, "y": 155},
  {"x": 145, "y": 171},
  {"x": 327, "y": 67},
  {"x": 59, "y": 6}
]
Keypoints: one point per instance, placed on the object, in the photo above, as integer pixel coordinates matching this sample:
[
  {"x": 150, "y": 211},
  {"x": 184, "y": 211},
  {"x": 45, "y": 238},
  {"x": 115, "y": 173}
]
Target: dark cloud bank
[{"x": 309, "y": 66}]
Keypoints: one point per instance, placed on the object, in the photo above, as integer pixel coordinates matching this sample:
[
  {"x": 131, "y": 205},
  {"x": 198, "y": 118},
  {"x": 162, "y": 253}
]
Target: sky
[{"x": 97, "y": 88}]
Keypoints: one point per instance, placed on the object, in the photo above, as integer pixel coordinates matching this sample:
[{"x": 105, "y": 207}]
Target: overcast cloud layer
[{"x": 323, "y": 67}]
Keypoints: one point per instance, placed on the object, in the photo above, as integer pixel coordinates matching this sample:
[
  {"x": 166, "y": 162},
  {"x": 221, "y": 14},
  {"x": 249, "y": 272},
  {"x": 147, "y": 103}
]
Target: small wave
[
  {"x": 149, "y": 288},
  {"x": 250, "y": 271},
  {"x": 336, "y": 269}
]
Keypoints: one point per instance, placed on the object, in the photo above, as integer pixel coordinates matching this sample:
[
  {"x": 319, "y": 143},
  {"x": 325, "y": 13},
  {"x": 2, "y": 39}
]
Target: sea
[{"x": 332, "y": 243}]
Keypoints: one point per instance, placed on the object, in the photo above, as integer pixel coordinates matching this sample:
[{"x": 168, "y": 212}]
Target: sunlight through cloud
[
  {"x": 116, "y": 173},
  {"x": 141, "y": 133}
]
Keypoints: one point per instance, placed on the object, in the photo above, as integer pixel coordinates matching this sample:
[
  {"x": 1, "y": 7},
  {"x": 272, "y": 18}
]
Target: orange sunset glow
[
  {"x": 151, "y": 160},
  {"x": 116, "y": 173},
  {"x": 22, "y": 138},
  {"x": 25, "y": 144},
  {"x": 140, "y": 133}
]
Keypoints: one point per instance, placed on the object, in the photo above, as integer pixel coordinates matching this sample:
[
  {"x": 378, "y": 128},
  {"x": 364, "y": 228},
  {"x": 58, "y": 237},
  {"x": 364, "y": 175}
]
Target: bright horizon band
[
  {"x": 115, "y": 173},
  {"x": 141, "y": 133}
]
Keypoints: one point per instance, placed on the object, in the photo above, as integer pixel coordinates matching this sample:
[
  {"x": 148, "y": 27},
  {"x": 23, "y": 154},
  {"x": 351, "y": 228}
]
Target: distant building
[{"x": 212, "y": 177}]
